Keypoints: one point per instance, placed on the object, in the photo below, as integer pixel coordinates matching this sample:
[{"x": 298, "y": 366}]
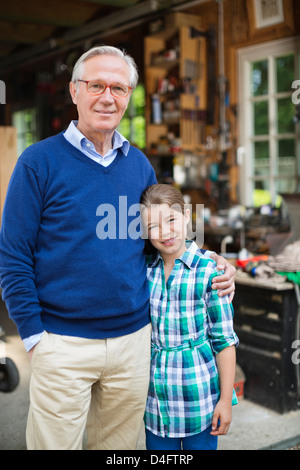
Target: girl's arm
[
  {"x": 222, "y": 413},
  {"x": 223, "y": 341}
]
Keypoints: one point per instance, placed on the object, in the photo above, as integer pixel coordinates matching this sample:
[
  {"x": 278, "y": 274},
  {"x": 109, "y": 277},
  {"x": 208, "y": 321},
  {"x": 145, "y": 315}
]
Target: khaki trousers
[{"x": 78, "y": 383}]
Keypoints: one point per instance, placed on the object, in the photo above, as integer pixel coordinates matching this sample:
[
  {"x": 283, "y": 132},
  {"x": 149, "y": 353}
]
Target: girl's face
[{"x": 166, "y": 229}]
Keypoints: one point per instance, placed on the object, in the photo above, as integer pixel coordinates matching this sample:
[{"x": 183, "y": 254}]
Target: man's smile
[{"x": 107, "y": 113}]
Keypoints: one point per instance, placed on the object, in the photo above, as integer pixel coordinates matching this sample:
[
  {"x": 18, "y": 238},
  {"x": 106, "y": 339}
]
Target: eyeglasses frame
[{"x": 130, "y": 88}]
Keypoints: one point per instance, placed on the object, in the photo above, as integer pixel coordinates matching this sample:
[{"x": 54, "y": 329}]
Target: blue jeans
[{"x": 202, "y": 441}]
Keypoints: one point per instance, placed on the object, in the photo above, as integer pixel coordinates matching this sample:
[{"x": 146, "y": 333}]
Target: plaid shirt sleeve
[{"x": 220, "y": 319}]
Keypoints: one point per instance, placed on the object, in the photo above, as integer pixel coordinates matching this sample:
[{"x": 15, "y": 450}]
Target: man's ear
[{"x": 73, "y": 89}]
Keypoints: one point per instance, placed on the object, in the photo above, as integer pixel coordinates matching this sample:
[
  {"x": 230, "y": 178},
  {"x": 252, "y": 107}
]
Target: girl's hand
[
  {"x": 221, "y": 419},
  {"x": 225, "y": 282}
]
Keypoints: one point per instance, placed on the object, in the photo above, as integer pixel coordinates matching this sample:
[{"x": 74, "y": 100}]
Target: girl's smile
[{"x": 169, "y": 242}]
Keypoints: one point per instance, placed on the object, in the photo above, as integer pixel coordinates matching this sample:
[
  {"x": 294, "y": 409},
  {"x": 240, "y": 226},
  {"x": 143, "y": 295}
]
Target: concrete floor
[{"x": 253, "y": 427}]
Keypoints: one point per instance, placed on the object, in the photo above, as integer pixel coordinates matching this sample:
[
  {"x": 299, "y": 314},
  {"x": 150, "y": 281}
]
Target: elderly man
[{"x": 77, "y": 290}]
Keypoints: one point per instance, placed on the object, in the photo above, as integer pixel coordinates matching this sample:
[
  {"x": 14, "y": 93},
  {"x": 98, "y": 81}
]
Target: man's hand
[{"x": 225, "y": 282}]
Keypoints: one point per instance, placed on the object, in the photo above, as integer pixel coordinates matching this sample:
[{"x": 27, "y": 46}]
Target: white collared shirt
[{"x": 79, "y": 141}]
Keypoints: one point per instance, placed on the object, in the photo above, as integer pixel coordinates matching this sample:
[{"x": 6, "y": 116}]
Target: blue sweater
[{"x": 67, "y": 263}]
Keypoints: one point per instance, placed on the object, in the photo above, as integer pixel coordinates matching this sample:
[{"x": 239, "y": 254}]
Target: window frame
[
  {"x": 26, "y": 135},
  {"x": 269, "y": 51}
]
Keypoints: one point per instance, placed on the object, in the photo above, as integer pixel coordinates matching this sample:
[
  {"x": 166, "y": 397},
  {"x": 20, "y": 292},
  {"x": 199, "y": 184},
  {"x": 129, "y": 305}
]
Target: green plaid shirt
[{"x": 190, "y": 325}]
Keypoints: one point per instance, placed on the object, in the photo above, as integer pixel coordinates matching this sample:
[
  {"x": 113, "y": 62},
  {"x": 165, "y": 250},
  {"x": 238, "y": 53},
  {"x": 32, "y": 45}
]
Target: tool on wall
[
  {"x": 223, "y": 128},
  {"x": 210, "y": 36},
  {"x": 221, "y": 185},
  {"x": 193, "y": 128}
]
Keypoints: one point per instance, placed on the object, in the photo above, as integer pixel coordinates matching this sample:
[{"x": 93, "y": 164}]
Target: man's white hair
[{"x": 106, "y": 50}]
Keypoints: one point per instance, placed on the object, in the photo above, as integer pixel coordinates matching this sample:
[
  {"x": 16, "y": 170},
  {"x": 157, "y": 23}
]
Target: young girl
[{"x": 193, "y": 341}]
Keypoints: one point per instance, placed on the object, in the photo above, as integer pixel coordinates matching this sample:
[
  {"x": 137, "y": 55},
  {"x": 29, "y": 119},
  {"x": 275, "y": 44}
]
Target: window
[
  {"x": 269, "y": 136},
  {"x": 25, "y": 123},
  {"x": 132, "y": 125}
]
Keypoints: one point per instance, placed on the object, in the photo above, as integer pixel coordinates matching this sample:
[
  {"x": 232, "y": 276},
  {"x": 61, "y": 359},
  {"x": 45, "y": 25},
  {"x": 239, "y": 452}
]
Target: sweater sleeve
[{"x": 18, "y": 237}]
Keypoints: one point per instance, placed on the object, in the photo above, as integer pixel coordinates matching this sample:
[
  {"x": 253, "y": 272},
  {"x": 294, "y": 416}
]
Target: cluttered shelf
[{"x": 245, "y": 279}]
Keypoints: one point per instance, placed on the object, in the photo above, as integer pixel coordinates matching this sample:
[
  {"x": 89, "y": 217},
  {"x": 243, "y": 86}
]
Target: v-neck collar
[{"x": 88, "y": 161}]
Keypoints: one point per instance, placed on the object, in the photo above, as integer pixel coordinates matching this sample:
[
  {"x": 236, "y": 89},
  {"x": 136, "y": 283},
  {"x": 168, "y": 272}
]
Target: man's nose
[{"x": 107, "y": 96}]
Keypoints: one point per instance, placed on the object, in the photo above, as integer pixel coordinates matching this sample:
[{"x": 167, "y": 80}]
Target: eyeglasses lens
[{"x": 97, "y": 88}]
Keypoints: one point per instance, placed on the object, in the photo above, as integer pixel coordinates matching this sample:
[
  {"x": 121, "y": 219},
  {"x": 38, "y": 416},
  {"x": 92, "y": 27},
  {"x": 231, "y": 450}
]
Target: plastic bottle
[{"x": 156, "y": 109}]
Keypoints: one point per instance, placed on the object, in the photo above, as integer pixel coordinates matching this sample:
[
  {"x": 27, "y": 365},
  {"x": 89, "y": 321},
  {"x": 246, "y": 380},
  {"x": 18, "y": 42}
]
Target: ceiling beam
[
  {"x": 6, "y": 48},
  {"x": 115, "y": 3},
  {"x": 140, "y": 12},
  {"x": 24, "y": 33},
  {"x": 64, "y": 13}
]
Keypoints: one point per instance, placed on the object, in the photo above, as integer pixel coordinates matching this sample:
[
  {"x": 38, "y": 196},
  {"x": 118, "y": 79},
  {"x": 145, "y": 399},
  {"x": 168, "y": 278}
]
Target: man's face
[{"x": 102, "y": 113}]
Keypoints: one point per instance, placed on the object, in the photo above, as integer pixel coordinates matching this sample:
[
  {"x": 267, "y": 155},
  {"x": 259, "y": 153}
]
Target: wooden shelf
[{"x": 187, "y": 98}]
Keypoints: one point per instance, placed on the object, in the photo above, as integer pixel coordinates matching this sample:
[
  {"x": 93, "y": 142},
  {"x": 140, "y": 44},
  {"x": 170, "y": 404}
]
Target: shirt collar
[
  {"x": 74, "y": 135},
  {"x": 189, "y": 257}
]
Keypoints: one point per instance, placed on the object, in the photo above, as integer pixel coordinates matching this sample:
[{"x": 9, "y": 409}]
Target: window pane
[
  {"x": 261, "y": 121},
  {"x": 138, "y": 100},
  {"x": 286, "y": 165},
  {"x": 138, "y": 132},
  {"x": 261, "y": 159},
  {"x": 285, "y": 186},
  {"x": 25, "y": 123},
  {"x": 285, "y": 70},
  {"x": 285, "y": 114},
  {"x": 133, "y": 125},
  {"x": 124, "y": 127},
  {"x": 259, "y": 78}
]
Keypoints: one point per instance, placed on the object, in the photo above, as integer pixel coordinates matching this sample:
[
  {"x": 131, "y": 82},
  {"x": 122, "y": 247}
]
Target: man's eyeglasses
[{"x": 96, "y": 87}]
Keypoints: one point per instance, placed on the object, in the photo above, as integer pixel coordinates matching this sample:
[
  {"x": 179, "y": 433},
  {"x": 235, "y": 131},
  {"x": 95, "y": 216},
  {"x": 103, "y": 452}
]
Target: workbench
[{"x": 266, "y": 322}]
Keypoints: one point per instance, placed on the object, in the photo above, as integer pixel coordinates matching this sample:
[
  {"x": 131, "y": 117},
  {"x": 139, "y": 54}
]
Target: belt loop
[{"x": 191, "y": 343}]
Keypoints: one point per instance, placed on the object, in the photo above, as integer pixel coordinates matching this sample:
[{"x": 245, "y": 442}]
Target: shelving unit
[
  {"x": 176, "y": 95},
  {"x": 265, "y": 320}
]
